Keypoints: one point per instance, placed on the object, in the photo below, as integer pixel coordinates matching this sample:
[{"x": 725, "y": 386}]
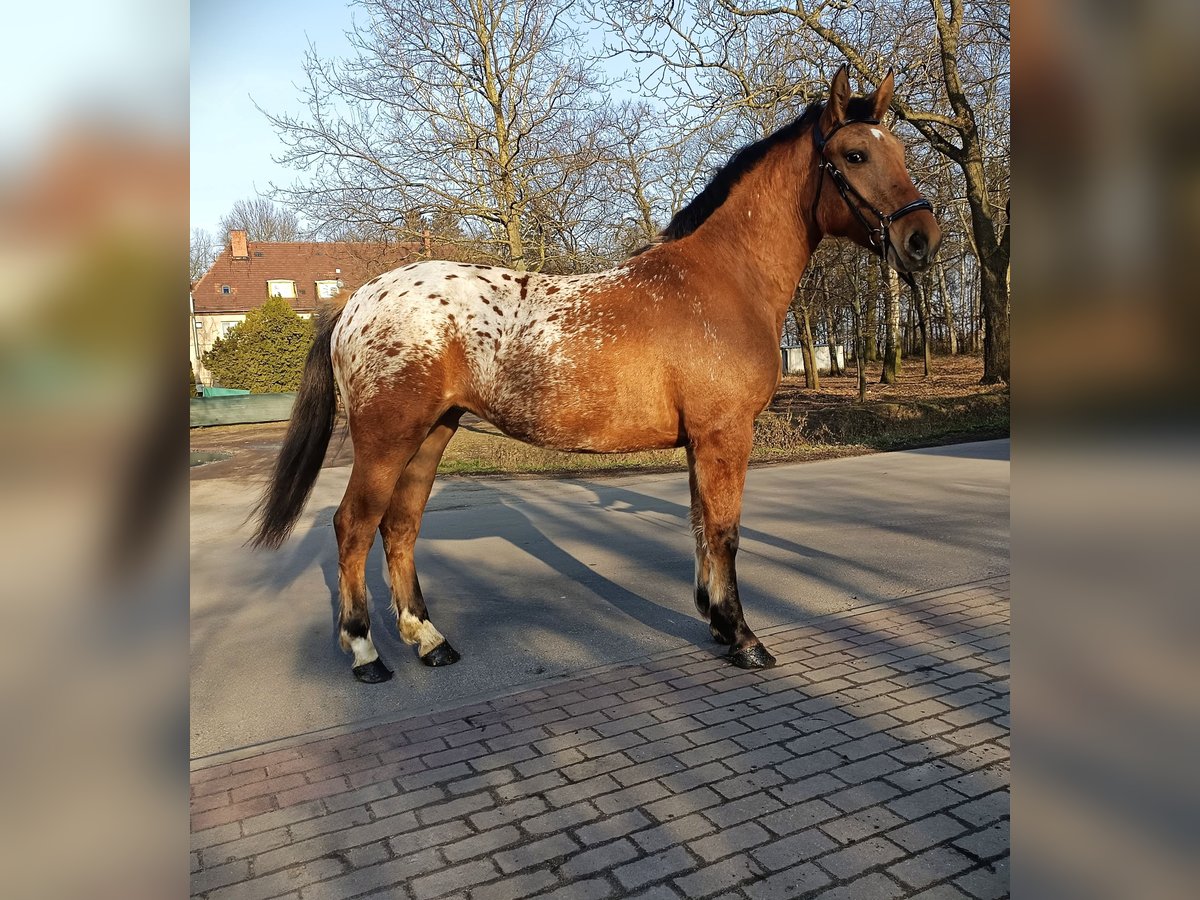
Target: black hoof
[
  {"x": 718, "y": 637},
  {"x": 373, "y": 672},
  {"x": 441, "y": 655},
  {"x": 753, "y": 657}
]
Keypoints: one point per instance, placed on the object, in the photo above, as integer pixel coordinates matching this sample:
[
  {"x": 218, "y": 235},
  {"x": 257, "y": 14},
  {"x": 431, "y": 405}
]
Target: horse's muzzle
[{"x": 919, "y": 247}]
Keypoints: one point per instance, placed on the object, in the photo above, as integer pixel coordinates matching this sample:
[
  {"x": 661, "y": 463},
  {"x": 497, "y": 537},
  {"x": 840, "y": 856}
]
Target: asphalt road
[{"x": 532, "y": 579}]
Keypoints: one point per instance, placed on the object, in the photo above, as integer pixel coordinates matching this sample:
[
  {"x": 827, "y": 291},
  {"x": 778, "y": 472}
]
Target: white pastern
[
  {"x": 363, "y": 649},
  {"x": 421, "y": 633},
  {"x": 716, "y": 588}
]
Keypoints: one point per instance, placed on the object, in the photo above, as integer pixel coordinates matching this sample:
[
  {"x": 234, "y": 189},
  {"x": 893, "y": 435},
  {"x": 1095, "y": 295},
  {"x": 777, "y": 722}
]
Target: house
[{"x": 306, "y": 274}]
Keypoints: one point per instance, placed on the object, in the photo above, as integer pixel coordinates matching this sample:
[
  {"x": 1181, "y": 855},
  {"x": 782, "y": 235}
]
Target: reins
[{"x": 880, "y": 237}]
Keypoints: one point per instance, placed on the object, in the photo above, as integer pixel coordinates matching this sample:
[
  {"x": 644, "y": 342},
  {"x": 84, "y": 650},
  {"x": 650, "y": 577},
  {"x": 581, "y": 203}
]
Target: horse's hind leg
[
  {"x": 385, "y": 440},
  {"x": 717, "y": 465},
  {"x": 371, "y": 482},
  {"x": 399, "y": 529}
]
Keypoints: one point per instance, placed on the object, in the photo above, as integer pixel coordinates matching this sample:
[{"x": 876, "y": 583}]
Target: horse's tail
[{"x": 304, "y": 446}]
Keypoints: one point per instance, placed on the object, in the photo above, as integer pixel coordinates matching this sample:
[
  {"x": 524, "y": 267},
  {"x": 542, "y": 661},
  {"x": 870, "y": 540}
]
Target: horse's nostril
[{"x": 917, "y": 244}]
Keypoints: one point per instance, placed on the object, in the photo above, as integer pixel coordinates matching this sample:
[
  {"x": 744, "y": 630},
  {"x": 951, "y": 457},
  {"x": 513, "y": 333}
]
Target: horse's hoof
[
  {"x": 717, "y": 636},
  {"x": 373, "y": 672},
  {"x": 441, "y": 655},
  {"x": 752, "y": 657}
]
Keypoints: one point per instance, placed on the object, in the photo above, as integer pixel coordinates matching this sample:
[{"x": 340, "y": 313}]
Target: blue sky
[
  {"x": 245, "y": 52},
  {"x": 242, "y": 52},
  {"x": 87, "y": 65}
]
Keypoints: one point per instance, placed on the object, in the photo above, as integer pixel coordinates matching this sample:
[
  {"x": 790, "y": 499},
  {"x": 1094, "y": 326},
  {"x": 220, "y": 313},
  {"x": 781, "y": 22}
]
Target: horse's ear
[
  {"x": 839, "y": 98},
  {"x": 882, "y": 98}
]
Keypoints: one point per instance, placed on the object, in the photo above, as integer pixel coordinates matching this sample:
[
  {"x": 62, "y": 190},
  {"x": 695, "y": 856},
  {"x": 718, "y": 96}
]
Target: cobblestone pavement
[{"x": 872, "y": 762}]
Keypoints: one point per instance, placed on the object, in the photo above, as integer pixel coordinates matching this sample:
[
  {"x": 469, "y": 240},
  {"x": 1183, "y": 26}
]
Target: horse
[{"x": 676, "y": 347}]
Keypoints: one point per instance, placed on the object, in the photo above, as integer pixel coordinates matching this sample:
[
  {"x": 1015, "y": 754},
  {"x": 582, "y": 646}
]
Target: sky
[
  {"x": 245, "y": 52},
  {"x": 117, "y": 64}
]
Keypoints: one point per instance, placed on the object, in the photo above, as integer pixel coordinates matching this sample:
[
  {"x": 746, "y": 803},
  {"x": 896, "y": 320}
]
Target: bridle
[{"x": 880, "y": 237}]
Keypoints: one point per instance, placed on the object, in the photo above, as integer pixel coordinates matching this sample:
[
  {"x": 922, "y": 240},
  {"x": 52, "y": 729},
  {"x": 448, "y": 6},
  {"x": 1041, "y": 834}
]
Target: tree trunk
[
  {"x": 804, "y": 326},
  {"x": 868, "y": 324},
  {"x": 947, "y": 312},
  {"x": 921, "y": 302},
  {"x": 910, "y": 327},
  {"x": 834, "y": 341},
  {"x": 994, "y": 300},
  {"x": 891, "y": 347},
  {"x": 860, "y": 346},
  {"x": 992, "y": 256},
  {"x": 970, "y": 291},
  {"x": 516, "y": 244}
]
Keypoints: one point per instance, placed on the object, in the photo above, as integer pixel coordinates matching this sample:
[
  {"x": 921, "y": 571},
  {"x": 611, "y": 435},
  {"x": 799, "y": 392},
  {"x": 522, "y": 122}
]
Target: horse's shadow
[
  {"x": 552, "y": 590},
  {"x": 616, "y": 497},
  {"x": 492, "y": 596}
]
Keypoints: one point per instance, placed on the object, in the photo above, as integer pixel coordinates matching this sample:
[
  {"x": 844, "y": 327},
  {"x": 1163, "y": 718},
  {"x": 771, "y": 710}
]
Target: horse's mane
[{"x": 744, "y": 160}]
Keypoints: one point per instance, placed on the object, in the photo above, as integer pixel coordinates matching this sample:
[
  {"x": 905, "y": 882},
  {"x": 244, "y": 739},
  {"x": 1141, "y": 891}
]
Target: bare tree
[
  {"x": 479, "y": 108},
  {"x": 262, "y": 220},
  {"x": 657, "y": 164},
  {"x": 860, "y": 344},
  {"x": 969, "y": 75},
  {"x": 202, "y": 250},
  {"x": 953, "y": 88},
  {"x": 743, "y": 82},
  {"x": 947, "y": 311},
  {"x": 921, "y": 305},
  {"x": 803, "y": 320},
  {"x": 572, "y": 220}
]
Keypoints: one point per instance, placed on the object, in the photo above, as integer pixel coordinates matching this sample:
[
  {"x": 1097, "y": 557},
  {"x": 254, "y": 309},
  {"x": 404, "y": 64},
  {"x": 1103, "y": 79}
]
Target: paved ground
[
  {"x": 536, "y": 580},
  {"x": 873, "y": 762}
]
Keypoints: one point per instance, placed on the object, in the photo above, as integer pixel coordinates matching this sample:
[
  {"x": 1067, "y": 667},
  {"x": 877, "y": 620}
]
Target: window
[
  {"x": 226, "y": 289},
  {"x": 327, "y": 290},
  {"x": 281, "y": 288},
  {"x": 228, "y": 326}
]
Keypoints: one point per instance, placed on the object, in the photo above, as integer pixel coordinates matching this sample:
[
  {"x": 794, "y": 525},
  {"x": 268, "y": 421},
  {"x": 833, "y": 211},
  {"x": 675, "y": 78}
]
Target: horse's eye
[{"x": 856, "y": 156}]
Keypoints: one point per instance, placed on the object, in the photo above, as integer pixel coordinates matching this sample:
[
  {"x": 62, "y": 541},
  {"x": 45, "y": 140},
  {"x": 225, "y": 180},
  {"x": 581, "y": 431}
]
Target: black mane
[{"x": 717, "y": 190}]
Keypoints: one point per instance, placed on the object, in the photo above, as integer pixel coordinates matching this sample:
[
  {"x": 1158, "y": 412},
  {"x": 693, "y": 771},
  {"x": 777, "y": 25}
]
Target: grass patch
[
  {"x": 479, "y": 449},
  {"x": 881, "y": 425},
  {"x": 799, "y": 425}
]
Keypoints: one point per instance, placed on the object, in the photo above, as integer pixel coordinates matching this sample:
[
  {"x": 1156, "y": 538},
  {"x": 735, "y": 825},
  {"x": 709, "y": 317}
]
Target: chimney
[{"x": 237, "y": 241}]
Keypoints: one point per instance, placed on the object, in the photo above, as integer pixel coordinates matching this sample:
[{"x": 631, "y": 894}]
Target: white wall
[
  {"x": 793, "y": 359},
  {"x": 208, "y": 331}
]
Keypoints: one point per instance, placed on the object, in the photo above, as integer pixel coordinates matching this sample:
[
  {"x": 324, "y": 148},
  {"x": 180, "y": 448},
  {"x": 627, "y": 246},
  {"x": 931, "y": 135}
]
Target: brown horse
[{"x": 678, "y": 347}]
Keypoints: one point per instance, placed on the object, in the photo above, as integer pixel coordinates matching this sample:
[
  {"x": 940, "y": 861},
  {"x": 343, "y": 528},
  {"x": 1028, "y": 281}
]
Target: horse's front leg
[
  {"x": 717, "y": 473},
  {"x": 700, "y": 580}
]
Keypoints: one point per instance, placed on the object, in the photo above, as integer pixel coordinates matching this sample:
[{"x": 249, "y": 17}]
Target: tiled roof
[{"x": 305, "y": 263}]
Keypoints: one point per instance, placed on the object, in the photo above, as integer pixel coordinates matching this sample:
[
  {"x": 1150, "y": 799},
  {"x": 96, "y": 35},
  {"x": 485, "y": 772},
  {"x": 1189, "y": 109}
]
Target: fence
[{"x": 242, "y": 410}]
